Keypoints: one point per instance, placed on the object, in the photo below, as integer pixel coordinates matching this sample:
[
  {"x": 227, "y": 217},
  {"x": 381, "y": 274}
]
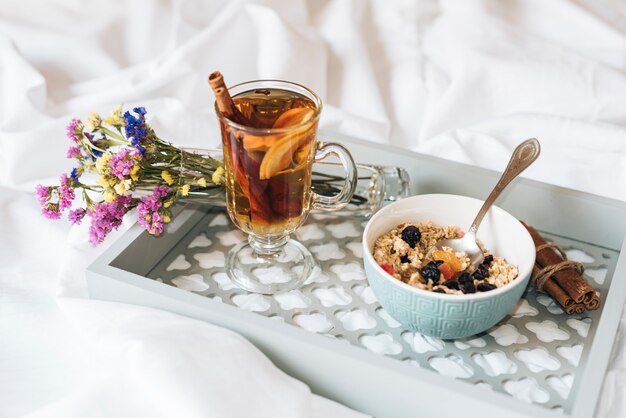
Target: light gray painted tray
[{"x": 334, "y": 335}]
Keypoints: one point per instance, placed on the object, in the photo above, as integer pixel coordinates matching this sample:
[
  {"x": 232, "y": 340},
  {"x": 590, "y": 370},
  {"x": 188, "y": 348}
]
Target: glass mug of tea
[{"x": 269, "y": 150}]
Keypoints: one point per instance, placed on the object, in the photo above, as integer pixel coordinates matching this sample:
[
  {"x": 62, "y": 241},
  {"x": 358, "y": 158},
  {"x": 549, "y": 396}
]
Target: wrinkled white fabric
[{"x": 463, "y": 80}]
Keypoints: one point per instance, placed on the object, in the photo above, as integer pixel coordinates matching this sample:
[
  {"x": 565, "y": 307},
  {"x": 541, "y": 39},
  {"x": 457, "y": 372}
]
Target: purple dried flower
[
  {"x": 122, "y": 163},
  {"x": 73, "y": 152},
  {"x": 76, "y": 216},
  {"x": 148, "y": 214},
  {"x": 107, "y": 216},
  {"x": 74, "y": 130},
  {"x": 43, "y": 193},
  {"x": 51, "y": 211},
  {"x": 66, "y": 193}
]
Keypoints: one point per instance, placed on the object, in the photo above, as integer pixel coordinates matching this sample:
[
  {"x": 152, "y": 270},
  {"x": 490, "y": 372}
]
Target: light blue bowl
[{"x": 441, "y": 315}]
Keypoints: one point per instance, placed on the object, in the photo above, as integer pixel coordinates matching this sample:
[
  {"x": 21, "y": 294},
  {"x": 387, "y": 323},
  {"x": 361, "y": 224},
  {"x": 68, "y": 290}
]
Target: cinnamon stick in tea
[
  {"x": 570, "y": 281},
  {"x": 554, "y": 290},
  {"x": 225, "y": 103}
]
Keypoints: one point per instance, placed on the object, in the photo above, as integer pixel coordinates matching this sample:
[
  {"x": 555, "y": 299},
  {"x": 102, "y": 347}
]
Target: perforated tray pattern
[{"x": 531, "y": 355}]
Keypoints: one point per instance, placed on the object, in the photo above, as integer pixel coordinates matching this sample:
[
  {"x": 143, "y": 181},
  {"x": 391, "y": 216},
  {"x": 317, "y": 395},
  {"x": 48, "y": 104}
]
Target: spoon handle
[{"x": 523, "y": 156}]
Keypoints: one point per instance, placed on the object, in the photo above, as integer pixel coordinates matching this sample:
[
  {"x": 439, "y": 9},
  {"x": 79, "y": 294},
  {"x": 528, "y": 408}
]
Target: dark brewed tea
[{"x": 268, "y": 161}]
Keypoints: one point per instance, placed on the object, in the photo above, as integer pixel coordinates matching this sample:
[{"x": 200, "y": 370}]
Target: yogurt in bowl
[{"x": 448, "y": 314}]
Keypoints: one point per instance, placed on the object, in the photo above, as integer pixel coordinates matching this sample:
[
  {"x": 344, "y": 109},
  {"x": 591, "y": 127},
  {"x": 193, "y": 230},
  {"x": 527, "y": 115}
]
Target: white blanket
[{"x": 463, "y": 80}]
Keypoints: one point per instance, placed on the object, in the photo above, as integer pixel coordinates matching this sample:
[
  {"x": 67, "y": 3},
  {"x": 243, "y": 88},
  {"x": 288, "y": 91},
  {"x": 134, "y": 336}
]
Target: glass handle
[{"x": 342, "y": 198}]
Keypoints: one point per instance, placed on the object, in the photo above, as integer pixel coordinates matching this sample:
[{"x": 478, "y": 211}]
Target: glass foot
[{"x": 269, "y": 272}]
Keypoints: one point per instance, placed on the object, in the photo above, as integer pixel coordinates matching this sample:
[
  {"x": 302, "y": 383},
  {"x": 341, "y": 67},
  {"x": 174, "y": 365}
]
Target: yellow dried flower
[
  {"x": 116, "y": 118},
  {"x": 123, "y": 187},
  {"x": 103, "y": 181},
  {"x": 109, "y": 195},
  {"x": 184, "y": 191},
  {"x": 94, "y": 121},
  {"x": 201, "y": 182},
  {"x": 217, "y": 176},
  {"x": 134, "y": 172},
  {"x": 166, "y": 219},
  {"x": 102, "y": 163},
  {"x": 165, "y": 175}
]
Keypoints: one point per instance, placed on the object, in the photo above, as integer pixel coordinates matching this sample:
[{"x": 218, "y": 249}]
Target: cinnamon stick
[
  {"x": 225, "y": 103},
  {"x": 576, "y": 308},
  {"x": 593, "y": 304},
  {"x": 554, "y": 290},
  {"x": 570, "y": 281}
]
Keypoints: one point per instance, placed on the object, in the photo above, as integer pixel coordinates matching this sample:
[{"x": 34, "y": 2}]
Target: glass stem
[{"x": 267, "y": 245}]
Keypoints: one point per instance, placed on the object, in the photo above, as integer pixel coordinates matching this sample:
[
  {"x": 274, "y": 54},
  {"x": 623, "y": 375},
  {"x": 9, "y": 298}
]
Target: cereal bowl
[{"x": 445, "y": 315}]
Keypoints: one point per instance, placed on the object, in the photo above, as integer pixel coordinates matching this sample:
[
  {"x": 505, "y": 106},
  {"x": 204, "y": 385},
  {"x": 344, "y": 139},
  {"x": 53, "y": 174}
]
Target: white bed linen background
[{"x": 463, "y": 80}]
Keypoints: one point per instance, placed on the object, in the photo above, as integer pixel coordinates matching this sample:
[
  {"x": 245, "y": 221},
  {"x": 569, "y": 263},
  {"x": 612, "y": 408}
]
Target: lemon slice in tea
[
  {"x": 280, "y": 155},
  {"x": 293, "y": 117}
]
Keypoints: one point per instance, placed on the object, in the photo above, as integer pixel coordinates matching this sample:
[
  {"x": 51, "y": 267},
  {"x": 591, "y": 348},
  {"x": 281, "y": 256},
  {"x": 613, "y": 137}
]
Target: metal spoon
[{"x": 523, "y": 156}]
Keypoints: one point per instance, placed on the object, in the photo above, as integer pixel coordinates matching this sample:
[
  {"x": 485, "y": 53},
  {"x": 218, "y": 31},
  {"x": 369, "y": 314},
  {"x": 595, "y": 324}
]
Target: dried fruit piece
[
  {"x": 467, "y": 287},
  {"x": 431, "y": 271},
  {"x": 487, "y": 260},
  {"x": 464, "y": 278},
  {"x": 485, "y": 287},
  {"x": 480, "y": 273},
  {"x": 451, "y": 284},
  {"x": 405, "y": 259},
  {"x": 388, "y": 268},
  {"x": 448, "y": 258},
  {"x": 411, "y": 235},
  {"x": 446, "y": 271}
]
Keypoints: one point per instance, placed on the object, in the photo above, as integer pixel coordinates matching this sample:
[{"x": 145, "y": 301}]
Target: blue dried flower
[
  {"x": 140, "y": 110},
  {"x": 74, "y": 174},
  {"x": 136, "y": 130}
]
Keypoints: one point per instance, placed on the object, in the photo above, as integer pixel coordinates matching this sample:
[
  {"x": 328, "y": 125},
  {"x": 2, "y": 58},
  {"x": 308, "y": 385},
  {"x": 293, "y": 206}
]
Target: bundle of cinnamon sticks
[{"x": 561, "y": 278}]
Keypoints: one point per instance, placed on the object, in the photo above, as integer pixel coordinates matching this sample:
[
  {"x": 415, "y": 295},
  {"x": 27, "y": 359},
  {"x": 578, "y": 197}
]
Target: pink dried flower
[
  {"x": 76, "y": 216},
  {"x": 122, "y": 163},
  {"x": 51, "y": 211},
  {"x": 73, "y": 152},
  {"x": 66, "y": 193},
  {"x": 148, "y": 214},
  {"x": 74, "y": 131},
  {"x": 43, "y": 193},
  {"x": 107, "y": 216}
]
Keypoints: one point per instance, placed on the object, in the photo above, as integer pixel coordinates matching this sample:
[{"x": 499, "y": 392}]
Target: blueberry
[
  {"x": 451, "y": 284},
  {"x": 467, "y": 287},
  {"x": 487, "y": 260},
  {"x": 405, "y": 259},
  {"x": 411, "y": 235},
  {"x": 481, "y": 273},
  {"x": 485, "y": 287}
]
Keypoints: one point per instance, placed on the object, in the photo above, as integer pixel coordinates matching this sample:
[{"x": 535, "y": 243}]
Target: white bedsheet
[{"x": 464, "y": 80}]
